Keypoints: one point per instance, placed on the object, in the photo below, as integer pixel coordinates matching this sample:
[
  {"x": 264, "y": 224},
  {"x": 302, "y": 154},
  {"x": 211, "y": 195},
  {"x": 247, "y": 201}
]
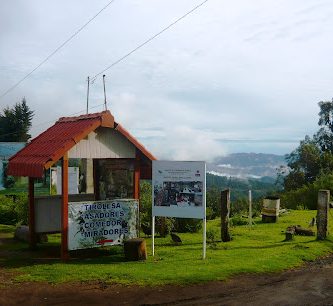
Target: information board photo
[{"x": 179, "y": 189}]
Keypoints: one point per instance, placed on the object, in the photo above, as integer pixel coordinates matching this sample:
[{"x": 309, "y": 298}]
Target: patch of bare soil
[{"x": 311, "y": 284}]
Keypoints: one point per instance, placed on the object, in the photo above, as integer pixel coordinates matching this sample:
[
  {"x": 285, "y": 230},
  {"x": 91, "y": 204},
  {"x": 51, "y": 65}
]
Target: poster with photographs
[{"x": 179, "y": 189}]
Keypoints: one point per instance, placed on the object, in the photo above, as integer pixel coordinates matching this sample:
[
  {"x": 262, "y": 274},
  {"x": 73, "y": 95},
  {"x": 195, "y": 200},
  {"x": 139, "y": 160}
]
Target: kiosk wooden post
[
  {"x": 32, "y": 234},
  {"x": 136, "y": 192},
  {"x": 64, "y": 208}
]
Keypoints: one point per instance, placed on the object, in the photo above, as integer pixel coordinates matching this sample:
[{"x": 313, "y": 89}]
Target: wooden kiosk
[{"x": 109, "y": 152}]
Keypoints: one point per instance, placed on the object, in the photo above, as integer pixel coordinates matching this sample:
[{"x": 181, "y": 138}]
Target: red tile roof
[{"x": 47, "y": 148}]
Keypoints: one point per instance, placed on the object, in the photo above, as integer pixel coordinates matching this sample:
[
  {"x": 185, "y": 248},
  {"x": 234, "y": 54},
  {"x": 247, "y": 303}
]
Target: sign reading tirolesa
[{"x": 94, "y": 224}]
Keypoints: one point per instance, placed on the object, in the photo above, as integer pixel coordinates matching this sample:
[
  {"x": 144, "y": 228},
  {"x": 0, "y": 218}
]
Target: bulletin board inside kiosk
[{"x": 114, "y": 178}]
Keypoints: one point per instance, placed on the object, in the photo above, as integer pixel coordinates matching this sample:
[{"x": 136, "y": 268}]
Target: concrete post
[{"x": 322, "y": 213}]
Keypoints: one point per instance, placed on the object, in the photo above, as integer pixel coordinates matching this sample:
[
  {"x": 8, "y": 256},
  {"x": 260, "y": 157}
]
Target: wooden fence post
[
  {"x": 225, "y": 210},
  {"x": 322, "y": 213}
]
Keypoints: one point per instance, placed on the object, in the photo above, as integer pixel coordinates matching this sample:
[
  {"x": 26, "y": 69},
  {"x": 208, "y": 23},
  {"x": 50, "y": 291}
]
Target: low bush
[
  {"x": 238, "y": 220},
  {"x": 8, "y": 215},
  {"x": 212, "y": 237},
  {"x": 187, "y": 225},
  {"x": 22, "y": 208},
  {"x": 14, "y": 209},
  {"x": 306, "y": 196}
]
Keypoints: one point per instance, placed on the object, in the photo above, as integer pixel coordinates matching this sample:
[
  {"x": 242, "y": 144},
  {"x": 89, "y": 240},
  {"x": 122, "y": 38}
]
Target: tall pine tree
[{"x": 15, "y": 123}]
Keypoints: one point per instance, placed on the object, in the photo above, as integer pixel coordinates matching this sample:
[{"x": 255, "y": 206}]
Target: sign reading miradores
[
  {"x": 179, "y": 190},
  {"x": 109, "y": 222}
]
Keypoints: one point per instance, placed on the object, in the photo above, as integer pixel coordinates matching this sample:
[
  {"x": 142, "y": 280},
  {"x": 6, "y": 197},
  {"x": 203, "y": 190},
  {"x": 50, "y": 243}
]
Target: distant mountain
[
  {"x": 247, "y": 165},
  {"x": 240, "y": 186}
]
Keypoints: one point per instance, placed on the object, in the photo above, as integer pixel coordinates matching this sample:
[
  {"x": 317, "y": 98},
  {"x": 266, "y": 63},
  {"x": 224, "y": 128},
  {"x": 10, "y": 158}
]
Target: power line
[
  {"x": 56, "y": 50},
  {"x": 107, "y": 68},
  {"x": 148, "y": 40}
]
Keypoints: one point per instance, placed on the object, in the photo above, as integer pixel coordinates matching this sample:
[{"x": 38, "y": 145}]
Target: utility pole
[
  {"x": 88, "y": 80},
  {"x": 105, "y": 105}
]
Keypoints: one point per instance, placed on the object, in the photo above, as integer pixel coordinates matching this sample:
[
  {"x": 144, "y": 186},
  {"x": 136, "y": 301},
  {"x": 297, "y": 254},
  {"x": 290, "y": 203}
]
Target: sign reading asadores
[{"x": 92, "y": 224}]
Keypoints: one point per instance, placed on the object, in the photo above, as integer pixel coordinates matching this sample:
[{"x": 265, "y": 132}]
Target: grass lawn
[{"x": 256, "y": 250}]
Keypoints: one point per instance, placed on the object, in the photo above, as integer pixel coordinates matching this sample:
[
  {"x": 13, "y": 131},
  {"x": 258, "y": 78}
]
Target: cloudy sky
[{"x": 233, "y": 76}]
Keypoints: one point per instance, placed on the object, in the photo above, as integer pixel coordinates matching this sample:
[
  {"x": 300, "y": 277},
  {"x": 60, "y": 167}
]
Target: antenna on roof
[
  {"x": 88, "y": 80},
  {"x": 105, "y": 105}
]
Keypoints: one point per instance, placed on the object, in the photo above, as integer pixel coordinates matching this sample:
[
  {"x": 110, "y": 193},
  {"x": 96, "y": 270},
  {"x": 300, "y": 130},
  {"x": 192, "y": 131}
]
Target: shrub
[
  {"x": 22, "y": 208},
  {"x": 164, "y": 225},
  {"x": 14, "y": 209},
  {"x": 212, "y": 235},
  {"x": 306, "y": 196},
  {"x": 184, "y": 225},
  {"x": 213, "y": 198},
  {"x": 9, "y": 181},
  {"x": 238, "y": 220},
  {"x": 145, "y": 202}
]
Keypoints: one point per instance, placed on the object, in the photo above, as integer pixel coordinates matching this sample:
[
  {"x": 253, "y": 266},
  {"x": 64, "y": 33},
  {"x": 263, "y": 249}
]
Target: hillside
[
  {"x": 247, "y": 165},
  {"x": 240, "y": 187}
]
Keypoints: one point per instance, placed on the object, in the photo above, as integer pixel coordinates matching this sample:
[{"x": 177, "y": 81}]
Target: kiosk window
[{"x": 115, "y": 179}]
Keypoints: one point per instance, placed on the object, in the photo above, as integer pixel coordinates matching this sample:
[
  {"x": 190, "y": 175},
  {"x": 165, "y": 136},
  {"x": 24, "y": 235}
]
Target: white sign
[
  {"x": 179, "y": 189},
  {"x": 94, "y": 224},
  {"x": 73, "y": 180}
]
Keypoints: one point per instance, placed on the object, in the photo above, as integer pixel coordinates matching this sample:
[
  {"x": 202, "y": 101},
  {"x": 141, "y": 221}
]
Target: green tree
[
  {"x": 15, "y": 123},
  {"x": 306, "y": 196},
  {"x": 304, "y": 163},
  {"x": 213, "y": 199},
  {"x": 324, "y": 137},
  {"x": 314, "y": 156}
]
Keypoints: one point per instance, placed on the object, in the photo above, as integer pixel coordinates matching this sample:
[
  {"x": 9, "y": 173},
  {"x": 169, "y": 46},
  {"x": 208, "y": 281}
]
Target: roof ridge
[{"x": 83, "y": 117}]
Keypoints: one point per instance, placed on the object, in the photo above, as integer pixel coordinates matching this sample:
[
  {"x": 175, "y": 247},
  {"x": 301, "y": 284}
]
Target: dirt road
[{"x": 310, "y": 285}]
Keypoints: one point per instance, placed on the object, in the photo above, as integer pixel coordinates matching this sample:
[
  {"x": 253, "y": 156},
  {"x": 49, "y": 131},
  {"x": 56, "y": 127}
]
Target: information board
[
  {"x": 73, "y": 180},
  {"x": 179, "y": 189},
  {"x": 98, "y": 223}
]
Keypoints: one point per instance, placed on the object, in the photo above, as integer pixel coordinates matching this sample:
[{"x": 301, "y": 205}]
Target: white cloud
[
  {"x": 233, "y": 76},
  {"x": 185, "y": 143}
]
